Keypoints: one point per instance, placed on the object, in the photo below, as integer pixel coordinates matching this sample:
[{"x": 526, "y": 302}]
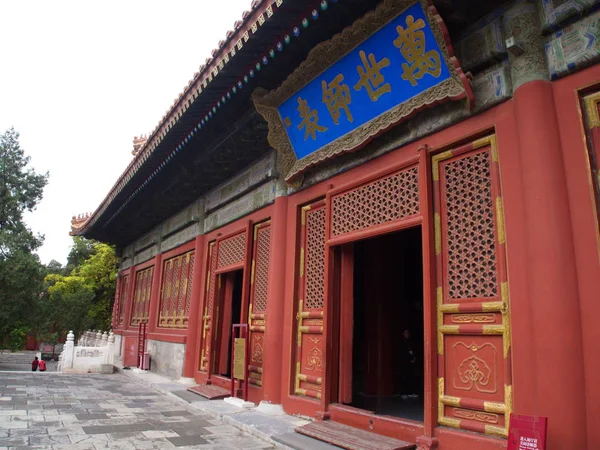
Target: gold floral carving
[
  {"x": 315, "y": 340},
  {"x": 473, "y": 318},
  {"x": 323, "y": 56},
  {"x": 257, "y": 353},
  {"x": 474, "y": 372},
  {"x": 313, "y": 322},
  {"x": 475, "y": 415},
  {"x": 312, "y": 387},
  {"x": 315, "y": 360}
]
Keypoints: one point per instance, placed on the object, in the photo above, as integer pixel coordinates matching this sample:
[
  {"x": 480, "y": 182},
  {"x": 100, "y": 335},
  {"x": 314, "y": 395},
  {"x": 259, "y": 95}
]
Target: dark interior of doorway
[
  {"x": 387, "y": 367},
  {"x": 232, "y": 313}
]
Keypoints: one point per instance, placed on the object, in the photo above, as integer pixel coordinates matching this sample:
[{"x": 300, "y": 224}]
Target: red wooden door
[
  {"x": 475, "y": 379},
  {"x": 223, "y": 336},
  {"x": 346, "y": 299},
  {"x": 226, "y": 254},
  {"x": 310, "y": 365},
  {"x": 209, "y": 300},
  {"x": 257, "y": 311}
]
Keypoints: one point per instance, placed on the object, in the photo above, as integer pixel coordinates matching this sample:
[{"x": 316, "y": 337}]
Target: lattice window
[
  {"x": 232, "y": 250},
  {"x": 141, "y": 296},
  {"x": 122, "y": 300},
  {"x": 391, "y": 198},
  {"x": 176, "y": 291},
  {"x": 471, "y": 249},
  {"x": 315, "y": 258},
  {"x": 261, "y": 274}
]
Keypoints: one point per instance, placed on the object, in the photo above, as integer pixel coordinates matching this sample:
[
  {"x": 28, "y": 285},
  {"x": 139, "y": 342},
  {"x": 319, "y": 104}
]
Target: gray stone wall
[
  {"x": 250, "y": 190},
  {"x": 166, "y": 358}
]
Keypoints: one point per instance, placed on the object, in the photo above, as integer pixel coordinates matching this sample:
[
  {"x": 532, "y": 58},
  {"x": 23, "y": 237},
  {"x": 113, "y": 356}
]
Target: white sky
[{"x": 79, "y": 79}]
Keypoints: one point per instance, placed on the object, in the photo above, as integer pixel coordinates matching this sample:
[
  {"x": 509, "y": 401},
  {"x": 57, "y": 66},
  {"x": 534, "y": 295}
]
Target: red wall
[{"x": 552, "y": 257}]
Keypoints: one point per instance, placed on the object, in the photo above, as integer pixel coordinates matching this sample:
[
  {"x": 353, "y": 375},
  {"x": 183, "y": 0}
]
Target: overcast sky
[{"x": 79, "y": 79}]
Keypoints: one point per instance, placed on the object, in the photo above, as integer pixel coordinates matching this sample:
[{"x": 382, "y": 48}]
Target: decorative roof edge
[{"x": 252, "y": 20}]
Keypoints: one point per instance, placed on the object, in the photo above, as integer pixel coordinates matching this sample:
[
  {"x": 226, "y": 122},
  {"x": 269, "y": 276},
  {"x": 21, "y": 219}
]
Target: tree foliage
[
  {"x": 21, "y": 273},
  {"x": 21, "y": 190},
  {"x": 48, "y": 300},
  {"x": 81, "y": 250},
  {"x": 83, "y": 298}
]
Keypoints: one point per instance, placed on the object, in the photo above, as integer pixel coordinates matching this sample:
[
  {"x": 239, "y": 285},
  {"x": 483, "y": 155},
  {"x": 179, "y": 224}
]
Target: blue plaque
[{"x": 392, "y": 70}]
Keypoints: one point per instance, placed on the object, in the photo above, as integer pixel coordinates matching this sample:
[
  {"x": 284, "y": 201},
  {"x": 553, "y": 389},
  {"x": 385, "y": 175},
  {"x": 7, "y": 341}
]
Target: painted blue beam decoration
[
  {"x": 391, "y": 63},
  {"x": 395, "y": 64}
]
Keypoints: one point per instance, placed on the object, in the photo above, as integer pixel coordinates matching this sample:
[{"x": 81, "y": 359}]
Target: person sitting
[
  {"x": 42, "y": 366},
  {"x": 34, "y": 364}
]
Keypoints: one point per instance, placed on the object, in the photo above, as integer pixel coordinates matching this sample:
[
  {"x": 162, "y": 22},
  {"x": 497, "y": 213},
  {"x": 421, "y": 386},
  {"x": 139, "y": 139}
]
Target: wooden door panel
[
  {"x": 310, "y": 365},
  {"x": 227, "y": 253},
  {"x": 207, "y": 316},
  {"x": 473, "y": 329},
  {"x": 257, "y": 311}
]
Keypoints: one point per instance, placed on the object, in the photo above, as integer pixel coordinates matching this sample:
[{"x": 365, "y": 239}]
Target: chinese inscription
[
  {"x": 411, "y": 43},
  {"x": 310, "y": 119},
  {"x": 396, "y": 63},
  {"x": 370, "y": 76}
]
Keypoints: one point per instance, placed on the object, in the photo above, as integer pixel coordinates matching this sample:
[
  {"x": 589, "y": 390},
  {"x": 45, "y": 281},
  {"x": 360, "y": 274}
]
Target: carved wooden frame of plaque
[{"x": 322, "y": 56}]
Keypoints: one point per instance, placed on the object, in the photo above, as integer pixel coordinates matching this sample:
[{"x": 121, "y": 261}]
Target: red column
[
  {"x": 556, "y": 325},
  {"x": 192, "y": 336},
  {"x": 273, "y": 357},
  {"x": 155, "y": 294}
]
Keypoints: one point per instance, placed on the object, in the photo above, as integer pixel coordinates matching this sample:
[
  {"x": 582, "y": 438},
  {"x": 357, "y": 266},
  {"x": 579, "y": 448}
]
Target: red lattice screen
[
  {"x": 208, "y": 308},
  {"x": 141, "y": 296},
  {"x": 122, "y": 300},
  {"x": 259, "y": 282},
  {"x": 260, "y": 278},
  {"x": 315, "y": 259},
  {"x": 176, "y": 291},
  {"x": 232, "y": 250},
  {"x": 475, "y": 387},
  {"x": 387, "y": 199},
  {"x": 310, "y": 366},
  {"x": 471, "y": 269}
]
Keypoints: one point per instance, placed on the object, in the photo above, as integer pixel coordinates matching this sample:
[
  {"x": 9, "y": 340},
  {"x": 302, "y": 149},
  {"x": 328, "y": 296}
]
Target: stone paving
[{"x": 81, "y": 412}]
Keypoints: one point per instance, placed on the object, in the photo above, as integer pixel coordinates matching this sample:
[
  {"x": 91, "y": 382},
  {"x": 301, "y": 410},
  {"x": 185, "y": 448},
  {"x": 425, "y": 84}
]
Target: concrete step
[{"x": 351, "y": 438}]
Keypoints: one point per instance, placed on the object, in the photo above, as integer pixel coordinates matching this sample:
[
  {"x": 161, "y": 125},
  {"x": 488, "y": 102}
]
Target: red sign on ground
[{"x": 527, "y": 432}]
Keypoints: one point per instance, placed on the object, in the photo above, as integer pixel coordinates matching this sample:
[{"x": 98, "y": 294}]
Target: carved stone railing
[{"x": 93, "y": 354}]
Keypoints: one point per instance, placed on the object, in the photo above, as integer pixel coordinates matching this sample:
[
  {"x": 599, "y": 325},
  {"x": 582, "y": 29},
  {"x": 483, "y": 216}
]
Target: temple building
[{"x": 398, "y": 198}]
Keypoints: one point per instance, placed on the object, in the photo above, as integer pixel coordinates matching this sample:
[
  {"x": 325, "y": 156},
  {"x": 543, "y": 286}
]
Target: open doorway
[
  {"x": 386, "y": 329},
  {"x": 229, "y": 313}
]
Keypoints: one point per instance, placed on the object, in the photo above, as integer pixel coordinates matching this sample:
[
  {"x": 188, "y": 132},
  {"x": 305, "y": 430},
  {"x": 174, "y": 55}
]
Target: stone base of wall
[
  {"x": 166, "y": 358},
  {"x": 118, "y": 345}
]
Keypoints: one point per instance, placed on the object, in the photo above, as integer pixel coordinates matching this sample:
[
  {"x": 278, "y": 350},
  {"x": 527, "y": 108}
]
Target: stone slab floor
[{"x": 81, "y": 412}]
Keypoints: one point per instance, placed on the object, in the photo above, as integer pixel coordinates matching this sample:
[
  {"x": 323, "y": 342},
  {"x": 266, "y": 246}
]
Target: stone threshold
[{"x": 271, "y": 429}]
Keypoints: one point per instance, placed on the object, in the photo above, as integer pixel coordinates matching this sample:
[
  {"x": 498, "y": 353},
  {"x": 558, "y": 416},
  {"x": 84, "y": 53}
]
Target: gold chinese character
[
  {"x": 336, "y": 97},
  {"x": 310, "y": 120},
  {"x": 370, "y": 76},
  {"x": 411, "y": 43}
]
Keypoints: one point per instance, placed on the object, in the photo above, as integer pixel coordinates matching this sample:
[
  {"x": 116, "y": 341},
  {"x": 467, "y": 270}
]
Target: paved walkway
[{"x": 80, "y": 412}]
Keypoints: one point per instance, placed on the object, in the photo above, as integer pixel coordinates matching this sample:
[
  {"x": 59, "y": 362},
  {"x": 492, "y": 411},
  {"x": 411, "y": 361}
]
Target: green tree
[
  {"x": 21, "y": 190},
  {"x": 81, "y": 249},
  {"x": 83, "y": 298},
  {"x": 54, "y": 267},
  {"x": 21, "y": 272}
]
